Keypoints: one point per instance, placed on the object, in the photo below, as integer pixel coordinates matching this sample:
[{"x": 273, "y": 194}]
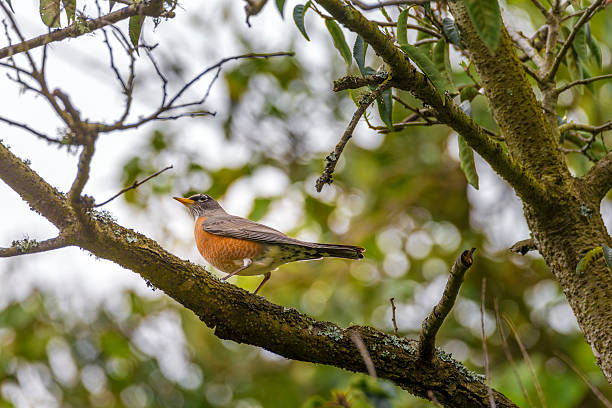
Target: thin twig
[
  {"x": 527, "y": 359},
  {"x": 525, "y": 46},
  {"x": 508, "y": 354},
  {"x": 365, "y": 355},
  {"x": 582, "y": 82},
  {"x": 587, "y": 128},
  {"x": 77, "y": 28},
  {"x": 540, "y": 7},
  {"x": 134, "y": 185},
  {"x": 30, "y": 246},
  {"x": 33, "y": 131},
  {"x": 606, "y": 402},
  {"x": 365, "y": 6},
  {"x": 432, "y": 323},
  {"x": 484, "y": 342},
  {"x": 590, "y": 11},
  {"x": 393, "y": 308},
  {"x": 332, "y": 159}
]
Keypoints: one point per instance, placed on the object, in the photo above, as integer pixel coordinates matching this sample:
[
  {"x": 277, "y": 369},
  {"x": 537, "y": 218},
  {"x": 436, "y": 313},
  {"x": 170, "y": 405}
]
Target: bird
[{"x": 239, "y": 246}]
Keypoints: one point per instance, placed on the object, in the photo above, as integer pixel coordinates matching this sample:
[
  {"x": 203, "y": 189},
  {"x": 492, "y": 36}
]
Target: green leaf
[
  {"x": 441, "y": 59},
  {"x": 402, "y": 30},
  {"x": 580, "y": 44},
  {"x": 385, "y": 108},
  {"x": 50, "y": 12},
  {"x": 339, "y": 40},
  {"x": 428, "y": 68},
  {"x": 595, "y": 51},
  {"x": 359, "y": 53},
  {"x": 466, "y": 162},
  {"x": 298, "y": 17},
  {"x": 451, "y": 31},
  {"x": 260, "y": 209},
  {"x": 468, "y": 93},
  {"x": 486, "y": 17},
  {"x": 135, "y": 29},
  {"x": 280, "y": 5},
  {"x": 70, "y": 8},
  {"x": 607, "y": 253},
  {"x": 587, "y": 260}
]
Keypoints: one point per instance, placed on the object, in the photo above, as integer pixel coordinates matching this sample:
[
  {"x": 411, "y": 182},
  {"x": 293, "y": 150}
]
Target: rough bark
[
  {"x": 236, "y": 314},
  {"x": 561, "y": 212}
]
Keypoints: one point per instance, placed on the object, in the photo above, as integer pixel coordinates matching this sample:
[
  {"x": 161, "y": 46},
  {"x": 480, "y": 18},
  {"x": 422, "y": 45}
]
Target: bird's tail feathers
[{"x": 339, "y": 251}]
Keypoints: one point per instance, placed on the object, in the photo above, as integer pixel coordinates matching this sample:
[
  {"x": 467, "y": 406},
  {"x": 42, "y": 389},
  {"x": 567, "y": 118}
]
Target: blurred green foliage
[{"x": 401, "y": 195}]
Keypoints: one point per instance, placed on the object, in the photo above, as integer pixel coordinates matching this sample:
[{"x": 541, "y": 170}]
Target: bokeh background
[{"x": 77, "y": 331}]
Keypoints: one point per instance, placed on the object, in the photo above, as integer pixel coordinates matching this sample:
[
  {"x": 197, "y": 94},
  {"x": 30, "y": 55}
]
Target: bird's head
[{"x": 200, "y": 205}]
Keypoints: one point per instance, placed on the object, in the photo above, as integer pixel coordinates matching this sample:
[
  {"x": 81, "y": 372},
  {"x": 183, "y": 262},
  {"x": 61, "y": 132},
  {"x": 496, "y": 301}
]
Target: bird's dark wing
[{"x": 241, "y": 228}]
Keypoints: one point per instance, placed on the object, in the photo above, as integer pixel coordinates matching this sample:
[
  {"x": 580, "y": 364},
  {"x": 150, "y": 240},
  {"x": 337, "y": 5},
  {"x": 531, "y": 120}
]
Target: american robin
[{"x": 239, "y": 246}]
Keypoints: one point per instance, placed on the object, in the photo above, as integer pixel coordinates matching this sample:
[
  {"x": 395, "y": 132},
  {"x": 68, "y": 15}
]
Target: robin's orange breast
[{"x": 224, "y": 253}]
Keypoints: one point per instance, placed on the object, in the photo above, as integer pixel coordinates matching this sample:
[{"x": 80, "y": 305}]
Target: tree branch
[
  {"x": 406, "y": 77},
  {"x": 598, "y": 180},
  {"x": 587, "y": 128},
  {"x": 524, "y": 246},
  {"x": 136, "y": 184},
  {"x": 582, "y": 82},
  {"x": 590, "y": 11},
  {"x": 332, "y": 159},
  {"x": 30, "y": 246},
  {"x": 432, "y": 323},
  {"x": 80, "y": 27},
  {"x": 238, "y": 315},
  {"x": 365, "y": 6}
]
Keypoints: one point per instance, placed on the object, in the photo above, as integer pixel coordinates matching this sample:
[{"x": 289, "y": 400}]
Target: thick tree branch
[
  {"x": 30, "y": 246},
  {"x": 80, "y": 27},
  {"x": 406, "y": 77},
  {"x": 598, "y": 180},
  {"x": 433, "y": 322},
  {"x": 43, "y": 198},
  {"x": 387, "y": 3},
  {"x": 236, "y": 314}
]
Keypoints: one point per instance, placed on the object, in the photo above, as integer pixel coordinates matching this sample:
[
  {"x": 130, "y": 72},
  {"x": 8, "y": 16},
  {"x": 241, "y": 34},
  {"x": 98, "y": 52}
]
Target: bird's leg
[
  {"x": 247, "y": 263},
  {"x": 265, "y": 279}
]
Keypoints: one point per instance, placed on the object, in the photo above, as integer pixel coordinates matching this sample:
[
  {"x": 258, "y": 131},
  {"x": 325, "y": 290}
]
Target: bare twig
[
  {"x": 79, "y": 27},
  {"x": 393, "y": 308},
  {"x": 29, "y": 129},
  {"x": 589, "y": 12},
  {"x": 365, "y": 355},
  {"x": 587, "y": 128},
  {"x": 525, "y": 46},
  {"x": 606, "y": 402},
  {"x": 527, "y": 359},
  {"x": 484, "y": 342},
  {"x": 508, "y": 354},
  {"x": 82, "y": 172},
  {"x": 365, "y": 6},
  {"x": 30, "y": 246},
  {"x": 432, "y": 323},
  {"x": 134, "y": 185},
  {"x": 171, "y": 104},
  {"x": 524, "y": 246},
  {"x": 582, "y": 82},
  {"x": 332, "y": 159},
  {"x": 540, "y": 7}
]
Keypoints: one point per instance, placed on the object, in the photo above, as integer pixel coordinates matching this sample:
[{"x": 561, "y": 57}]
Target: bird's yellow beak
[{"x": 185, "y": 201}]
